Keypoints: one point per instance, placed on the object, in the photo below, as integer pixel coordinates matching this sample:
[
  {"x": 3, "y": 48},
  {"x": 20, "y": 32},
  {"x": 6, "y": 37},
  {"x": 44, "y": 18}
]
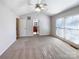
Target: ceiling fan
[{"x": 39, "y": 5}]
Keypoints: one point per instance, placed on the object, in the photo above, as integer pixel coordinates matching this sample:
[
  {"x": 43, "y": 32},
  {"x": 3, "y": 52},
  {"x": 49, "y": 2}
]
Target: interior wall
[
  {"x": 70, "y": 12},
  {"x": 44, "y": 24},
  {"x": 7, "y": 28},
  {"x": 53, "y": 25}
]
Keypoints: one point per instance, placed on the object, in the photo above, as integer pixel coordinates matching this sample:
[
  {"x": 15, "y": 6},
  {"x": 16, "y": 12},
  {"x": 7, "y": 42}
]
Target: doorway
[
  {"x": 35, "y": 27},
  {"x": 17, "y": 28},
  {"x": 25, "y": 27}
]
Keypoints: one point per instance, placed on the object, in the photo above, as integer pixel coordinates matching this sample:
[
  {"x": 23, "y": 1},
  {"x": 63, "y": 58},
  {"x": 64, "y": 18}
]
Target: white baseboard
[{"x": 7, "y": 47}]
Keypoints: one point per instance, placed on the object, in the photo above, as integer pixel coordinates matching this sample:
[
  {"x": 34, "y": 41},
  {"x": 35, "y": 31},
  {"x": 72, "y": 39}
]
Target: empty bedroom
[{"x": 39, "y": 29}]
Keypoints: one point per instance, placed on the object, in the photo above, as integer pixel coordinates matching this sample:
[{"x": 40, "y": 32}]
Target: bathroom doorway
[{"x": 36, "y": 27}]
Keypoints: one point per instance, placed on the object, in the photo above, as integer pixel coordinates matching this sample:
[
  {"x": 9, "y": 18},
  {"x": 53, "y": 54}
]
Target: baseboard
[
  {"x": 69, "y": 42},
  {"x": 33, "y": 35},
  {"x": 7, "y": 47}
]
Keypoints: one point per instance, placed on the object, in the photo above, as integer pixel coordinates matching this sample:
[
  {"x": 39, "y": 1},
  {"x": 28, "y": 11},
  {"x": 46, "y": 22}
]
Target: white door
[
  {"x": 29, "y": 27},
  {"x": 25, "y": 27}
]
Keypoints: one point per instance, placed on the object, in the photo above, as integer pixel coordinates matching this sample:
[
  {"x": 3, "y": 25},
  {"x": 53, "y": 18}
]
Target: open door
[{"x": 17, "y": 28}]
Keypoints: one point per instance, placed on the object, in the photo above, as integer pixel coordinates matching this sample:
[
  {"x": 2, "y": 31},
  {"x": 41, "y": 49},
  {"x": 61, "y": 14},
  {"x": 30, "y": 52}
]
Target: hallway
[{"x": 40, "y": 47}]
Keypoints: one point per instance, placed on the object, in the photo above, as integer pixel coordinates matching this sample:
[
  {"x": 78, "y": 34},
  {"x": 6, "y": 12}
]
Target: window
[
  {"x": 68, "y": 28},
  {"x": 60, "y": 27}
]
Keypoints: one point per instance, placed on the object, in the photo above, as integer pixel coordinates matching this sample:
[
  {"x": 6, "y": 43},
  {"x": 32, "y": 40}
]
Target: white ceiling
[{"x": 21, "y": 7}]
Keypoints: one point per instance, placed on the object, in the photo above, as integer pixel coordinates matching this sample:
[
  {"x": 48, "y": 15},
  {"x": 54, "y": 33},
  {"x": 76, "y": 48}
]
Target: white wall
[
  {"x": 70, "y": 12},
  {"x": 44, "y": 24},
  {"x": 7, "y": 28},
  {"x": 53, "y": 25}
]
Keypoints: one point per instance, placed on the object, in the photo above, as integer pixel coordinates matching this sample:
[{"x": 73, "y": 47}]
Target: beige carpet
[{"x": 44, "y": 47}]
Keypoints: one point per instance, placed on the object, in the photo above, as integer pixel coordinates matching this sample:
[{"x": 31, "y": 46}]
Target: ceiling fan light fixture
[
  {"x": 40, "y": 6},
  {"x": 37, "y": 6},
  {"x": 37, "y": 9}
]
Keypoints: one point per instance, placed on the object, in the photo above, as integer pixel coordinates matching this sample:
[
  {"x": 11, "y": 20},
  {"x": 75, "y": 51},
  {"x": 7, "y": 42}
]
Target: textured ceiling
[{"x": 21, "y": 7}]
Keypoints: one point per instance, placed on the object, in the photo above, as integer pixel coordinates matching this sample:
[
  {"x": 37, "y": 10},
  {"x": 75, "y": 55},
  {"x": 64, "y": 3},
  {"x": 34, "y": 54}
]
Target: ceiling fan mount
[{"x": 40, "y": 5}]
